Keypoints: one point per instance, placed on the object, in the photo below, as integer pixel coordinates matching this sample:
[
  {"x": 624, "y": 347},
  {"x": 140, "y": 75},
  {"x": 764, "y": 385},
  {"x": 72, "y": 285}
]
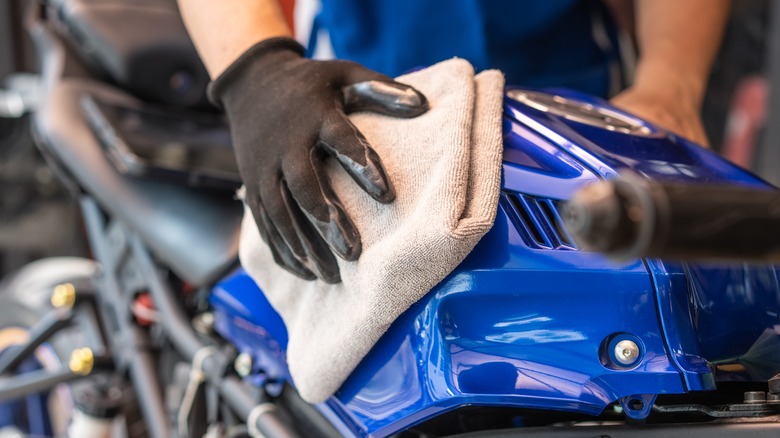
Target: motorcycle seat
[{"x": 192, "y": 231}]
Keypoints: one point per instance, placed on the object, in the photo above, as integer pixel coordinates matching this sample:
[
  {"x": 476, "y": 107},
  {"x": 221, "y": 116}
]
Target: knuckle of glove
[{"x": 278, "y": 104}]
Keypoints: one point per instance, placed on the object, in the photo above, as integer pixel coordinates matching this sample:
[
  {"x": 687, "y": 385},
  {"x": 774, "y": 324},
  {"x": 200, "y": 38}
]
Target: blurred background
[{"x": 38, "y": 218}]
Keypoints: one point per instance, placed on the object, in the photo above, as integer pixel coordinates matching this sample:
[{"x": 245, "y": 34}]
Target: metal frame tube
[
  {"x": 179, "y": 331},
  {"x": 143, "y": 375},
  {"x": 18, "y": 386},
  {"x": 129, "y": 342},
  {"x": 39, "y": 333}
]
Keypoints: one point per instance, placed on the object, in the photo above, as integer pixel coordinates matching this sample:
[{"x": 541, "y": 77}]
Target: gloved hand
[{"x": 287, "y": 115}]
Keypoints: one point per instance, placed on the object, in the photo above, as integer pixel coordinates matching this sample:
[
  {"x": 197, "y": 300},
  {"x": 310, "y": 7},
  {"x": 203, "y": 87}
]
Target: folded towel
[{"x": 446, "y": 169}]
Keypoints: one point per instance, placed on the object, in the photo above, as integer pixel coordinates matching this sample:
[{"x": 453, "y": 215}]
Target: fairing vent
[{"x": 538, "y": 221}]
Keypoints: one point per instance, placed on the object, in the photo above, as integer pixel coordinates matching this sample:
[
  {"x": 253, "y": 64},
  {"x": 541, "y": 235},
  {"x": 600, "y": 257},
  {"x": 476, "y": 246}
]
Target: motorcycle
[{"x": 161, "y": 333}]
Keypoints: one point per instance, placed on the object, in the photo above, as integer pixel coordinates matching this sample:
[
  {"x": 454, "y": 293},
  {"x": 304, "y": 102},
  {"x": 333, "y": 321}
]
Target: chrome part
[
  {"x": 755, "y": 397},
  {"x": 11, "y": 104},
  {"x": 243, "y": 364},
  {"x": 22, "y": 95},
  {"x": 581, "y": 112},
  {"x": 204, "y": 323},
  {"x": 626, "y": 352}
]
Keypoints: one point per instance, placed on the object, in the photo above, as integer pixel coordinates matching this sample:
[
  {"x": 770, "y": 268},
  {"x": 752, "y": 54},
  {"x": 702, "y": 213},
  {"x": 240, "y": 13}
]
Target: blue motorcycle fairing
[{"x": 528, "y": 320}]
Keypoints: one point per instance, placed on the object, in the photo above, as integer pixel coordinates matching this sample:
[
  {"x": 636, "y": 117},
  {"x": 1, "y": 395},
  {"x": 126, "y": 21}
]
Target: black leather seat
[{"x": 193, "y": 232}]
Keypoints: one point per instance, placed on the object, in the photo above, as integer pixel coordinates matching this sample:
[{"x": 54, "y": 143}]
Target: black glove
[{"x": 287, "y": 115}]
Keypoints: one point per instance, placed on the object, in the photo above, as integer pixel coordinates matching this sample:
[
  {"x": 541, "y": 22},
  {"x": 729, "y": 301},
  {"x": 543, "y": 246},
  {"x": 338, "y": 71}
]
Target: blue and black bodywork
[{"x": 529, "y": 320}]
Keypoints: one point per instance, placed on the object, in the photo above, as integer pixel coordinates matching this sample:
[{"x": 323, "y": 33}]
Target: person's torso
[{"x": 536, "y": 43}]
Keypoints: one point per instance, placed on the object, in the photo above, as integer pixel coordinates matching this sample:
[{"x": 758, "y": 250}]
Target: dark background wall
[
  {"x": 37, "y": 218},
  {"x": 6, "y": 40}
]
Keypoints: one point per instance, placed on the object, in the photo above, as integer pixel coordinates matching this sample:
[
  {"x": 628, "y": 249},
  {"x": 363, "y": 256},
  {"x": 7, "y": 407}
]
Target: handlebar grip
[{"x": 631, "y": 217}]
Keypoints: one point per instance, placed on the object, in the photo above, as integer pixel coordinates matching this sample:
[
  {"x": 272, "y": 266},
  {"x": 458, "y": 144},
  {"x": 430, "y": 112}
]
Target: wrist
[
  {"x": 253, "y": 64},
  {"x": 667, "y": 79},
  {"x": 220, "y": 60},
  {"x": 222, "y": 30}
]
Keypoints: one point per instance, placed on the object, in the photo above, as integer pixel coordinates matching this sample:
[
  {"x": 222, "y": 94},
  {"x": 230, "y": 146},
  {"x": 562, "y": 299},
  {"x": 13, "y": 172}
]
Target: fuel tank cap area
[{"x": 581, "y": 111}]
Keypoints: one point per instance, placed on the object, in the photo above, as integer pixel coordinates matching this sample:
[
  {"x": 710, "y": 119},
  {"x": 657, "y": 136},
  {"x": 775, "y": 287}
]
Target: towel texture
[{"x": 446, "y": 169}]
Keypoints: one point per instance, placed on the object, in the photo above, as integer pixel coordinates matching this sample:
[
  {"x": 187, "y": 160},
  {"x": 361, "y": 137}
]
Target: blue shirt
[{"x": 539, "y": 43}]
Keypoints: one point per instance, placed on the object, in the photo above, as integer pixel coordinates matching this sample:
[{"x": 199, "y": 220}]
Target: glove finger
[
  {"x": 318, "y": 257},
  {"x": 279, "y": 216},
  {"x": 342, "y": 140},
  {"x": 305, "y": 244},
  {"x": 281, "y": 252},
  {"x": 368, "y": 90},
  {"x": 384, "y": 97},
  {"x": 311, "y": 189}
]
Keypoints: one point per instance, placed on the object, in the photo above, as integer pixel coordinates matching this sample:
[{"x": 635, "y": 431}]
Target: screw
[
  {"x": 626, "y": 352},
  {"x": 243, "y": 364},
  {"x": 204, "y": 323},
  {"x": 81, "y": 361},
  {"x": 64, "y": 295}
]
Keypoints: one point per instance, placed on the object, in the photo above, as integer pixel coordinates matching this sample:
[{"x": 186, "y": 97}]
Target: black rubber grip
[{"x": 630, "y": 217}]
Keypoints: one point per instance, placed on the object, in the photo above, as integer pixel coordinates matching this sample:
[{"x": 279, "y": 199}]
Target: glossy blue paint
[
  {"x": 660, "y": 155},
  {"x": 721, "y": 295},
  {"x": 719, "y": 315},
  {"x": 245, "y": 317},
  {"x": 516, "y": 325},
  {"x": 638, "y": 406}
]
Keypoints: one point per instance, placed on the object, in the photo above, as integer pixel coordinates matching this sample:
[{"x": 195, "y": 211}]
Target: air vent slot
[{"x": 538, "y": 221}]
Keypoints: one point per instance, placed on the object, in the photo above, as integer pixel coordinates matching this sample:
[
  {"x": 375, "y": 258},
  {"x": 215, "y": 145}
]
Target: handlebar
[{"x": 631, "y": 217}]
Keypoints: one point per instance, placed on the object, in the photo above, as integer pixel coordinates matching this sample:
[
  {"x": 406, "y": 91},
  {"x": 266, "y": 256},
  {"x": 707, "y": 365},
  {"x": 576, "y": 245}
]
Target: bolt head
[
  {"x": 81, "y": 361},
  {"x": 243, "y": 364},
  {"x": 64, "y": 295},
  {"x": 204, "y": 323},
  {"x": 626, "y": 352}
]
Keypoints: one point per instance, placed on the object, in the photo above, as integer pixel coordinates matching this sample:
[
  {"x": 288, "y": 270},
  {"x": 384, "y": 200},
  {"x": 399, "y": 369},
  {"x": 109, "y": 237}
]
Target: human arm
[
  {"x": 677, "y": 44},
  {"x": 222, "y": 30},
  {"x": 288, "y": 114}
]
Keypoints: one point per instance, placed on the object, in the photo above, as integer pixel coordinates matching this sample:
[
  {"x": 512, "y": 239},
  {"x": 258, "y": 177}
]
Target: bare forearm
[
  {"x": 677, "y": 43},
  {"x": 223, "y": 29},
  {"x": 678, "y": 40}
]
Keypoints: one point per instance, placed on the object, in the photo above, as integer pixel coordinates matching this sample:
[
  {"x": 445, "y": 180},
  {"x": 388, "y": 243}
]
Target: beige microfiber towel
[{"x": 446, "y": 169}]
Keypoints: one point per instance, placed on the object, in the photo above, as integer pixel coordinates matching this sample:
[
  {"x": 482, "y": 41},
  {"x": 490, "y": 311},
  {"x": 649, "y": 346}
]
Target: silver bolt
[
  {"x": 204, "y": 323},
  {"x": 243, "y": 364},
  {"x": 626, "y": 352}
]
